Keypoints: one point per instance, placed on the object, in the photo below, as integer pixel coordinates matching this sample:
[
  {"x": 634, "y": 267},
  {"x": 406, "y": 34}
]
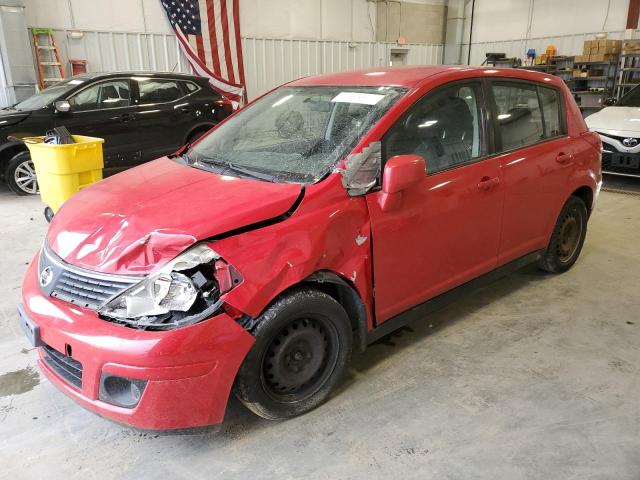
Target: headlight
[{"x": 184, "y": 291}]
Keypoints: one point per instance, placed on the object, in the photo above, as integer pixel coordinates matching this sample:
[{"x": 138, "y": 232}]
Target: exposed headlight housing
[{"x": 185, "y": 291}]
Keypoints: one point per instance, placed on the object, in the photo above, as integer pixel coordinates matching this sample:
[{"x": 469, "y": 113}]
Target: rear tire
[
  {"x": 302, "y": 349},
  {"x": 20, "y": 174},
  {"x": 567, "y": 238}
]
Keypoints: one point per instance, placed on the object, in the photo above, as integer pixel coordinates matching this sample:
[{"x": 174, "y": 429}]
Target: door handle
[
  {"x": 564, "y": 158},
  {"x": 487, "y": 183},
  {"x": 185, "y": 109},
  {"x": 127, "y": 117}
]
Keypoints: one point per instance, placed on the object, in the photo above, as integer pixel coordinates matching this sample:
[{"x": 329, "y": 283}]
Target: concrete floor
[{"x": 532, "y": 377}]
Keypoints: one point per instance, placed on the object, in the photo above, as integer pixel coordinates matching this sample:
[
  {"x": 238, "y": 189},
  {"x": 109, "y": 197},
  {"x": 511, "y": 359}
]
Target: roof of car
[
  {"x": 96, "y": 75},
  {"x": 411, "y": 76}
]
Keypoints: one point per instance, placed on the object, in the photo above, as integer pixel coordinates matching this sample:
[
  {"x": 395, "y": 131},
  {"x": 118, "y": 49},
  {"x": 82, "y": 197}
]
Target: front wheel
[
  {"x": 567, "y": 238},
  {"x": 303, "y": 346},
  {"x": 20, "y": 175}
]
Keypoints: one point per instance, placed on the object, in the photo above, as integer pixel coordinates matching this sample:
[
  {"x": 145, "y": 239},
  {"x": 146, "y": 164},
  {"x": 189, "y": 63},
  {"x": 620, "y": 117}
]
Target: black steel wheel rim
[
  {"x": 300, "y": 359},
  {"x": 569, "y": 236}
]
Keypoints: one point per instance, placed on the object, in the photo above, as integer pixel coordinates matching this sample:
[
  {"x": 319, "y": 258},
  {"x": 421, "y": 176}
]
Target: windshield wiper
[{"x": 241, "y": 170}]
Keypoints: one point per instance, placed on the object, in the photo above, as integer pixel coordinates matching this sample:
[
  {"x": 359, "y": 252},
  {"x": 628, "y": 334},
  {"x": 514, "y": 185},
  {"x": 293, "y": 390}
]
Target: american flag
[{"x": 209, "y": 35}]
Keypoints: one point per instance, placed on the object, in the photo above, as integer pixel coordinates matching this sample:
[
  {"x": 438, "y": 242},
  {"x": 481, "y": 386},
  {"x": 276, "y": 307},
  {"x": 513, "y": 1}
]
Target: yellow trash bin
[{"x": 63, "y": 170}]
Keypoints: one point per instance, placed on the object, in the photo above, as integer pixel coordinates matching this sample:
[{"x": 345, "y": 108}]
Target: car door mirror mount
[
  {"x": 362, "y": 170},
  {"x": 63, "y": 106},
  {"x": 401, "y": 173}
]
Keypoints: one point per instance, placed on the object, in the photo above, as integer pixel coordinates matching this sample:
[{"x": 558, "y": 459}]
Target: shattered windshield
[{"x": 294, "y": 134}]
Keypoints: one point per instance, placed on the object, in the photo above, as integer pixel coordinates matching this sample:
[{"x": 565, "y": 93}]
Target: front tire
[
  {"x": 567, "y": 238},
  {"x": 20, "y": 175},
  {"x": 302, "y": 349}
]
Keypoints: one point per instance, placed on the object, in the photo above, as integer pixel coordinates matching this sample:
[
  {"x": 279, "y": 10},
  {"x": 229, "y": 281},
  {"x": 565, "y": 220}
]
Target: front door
[
  {"x": 106, "y": 110},
  {"x": 447, "y": 229}
]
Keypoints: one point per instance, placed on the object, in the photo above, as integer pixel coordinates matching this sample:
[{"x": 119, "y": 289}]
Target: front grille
[
  {"x": 65, "y": 366},
  {"x": 622, "y": 163},
  {"x": 620, "y": 139},
  {"x": 81, "y": 288}
]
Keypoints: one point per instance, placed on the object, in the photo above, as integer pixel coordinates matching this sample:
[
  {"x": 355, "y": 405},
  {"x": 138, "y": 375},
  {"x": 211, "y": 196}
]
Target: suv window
[
  {"x": 102, "y": 96},
  {"x": 190, "y": 86},
  {"x": 520, "y": 118},
  {"x": 159, "y": 90},
  {"x": 444, "y": 127}
]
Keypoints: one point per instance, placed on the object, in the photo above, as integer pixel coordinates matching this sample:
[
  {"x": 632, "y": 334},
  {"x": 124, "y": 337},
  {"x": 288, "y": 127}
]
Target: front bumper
[
  {"x": 189, "y": 371},
  {"x": 619, "y": 159}
]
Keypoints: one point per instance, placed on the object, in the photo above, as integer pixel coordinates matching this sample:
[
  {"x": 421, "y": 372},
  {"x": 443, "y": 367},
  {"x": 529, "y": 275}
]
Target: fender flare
[
  {"x": 199, "y": 127},
  {"x": 4, "y": 159},
  {"x": 348, "y": 297}
]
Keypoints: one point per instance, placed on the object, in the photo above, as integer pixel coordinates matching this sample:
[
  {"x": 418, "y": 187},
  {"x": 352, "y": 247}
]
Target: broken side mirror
[
  {"x": 401, "y": 173},
  {"x": 63, "y": 106},
  {"x": 362, "y": 170}
]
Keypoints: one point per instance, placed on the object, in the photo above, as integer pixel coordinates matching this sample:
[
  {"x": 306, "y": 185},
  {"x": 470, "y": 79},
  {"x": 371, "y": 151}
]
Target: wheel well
[
  {"x": 198, "y": 130},
  {"x": 586, "y": 194},
  {"x": 8, "y": 153},
  {"x": 347, "y": 296}
]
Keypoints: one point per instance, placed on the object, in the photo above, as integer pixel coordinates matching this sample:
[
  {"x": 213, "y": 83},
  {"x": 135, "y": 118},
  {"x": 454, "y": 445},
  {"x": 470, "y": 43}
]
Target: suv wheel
[
  {"x": 303, "y": 345},
  {"x": 20, "y": 175},
  {"x": 567, "y": 238}
]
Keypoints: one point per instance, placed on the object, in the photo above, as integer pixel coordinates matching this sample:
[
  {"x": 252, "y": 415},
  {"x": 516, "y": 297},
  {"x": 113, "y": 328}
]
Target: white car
[{"x": 619, "y": 129}]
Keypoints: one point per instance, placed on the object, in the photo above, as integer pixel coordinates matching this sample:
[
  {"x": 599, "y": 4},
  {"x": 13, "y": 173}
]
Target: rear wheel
[
  {"x": 303, "y": 345},
  {"x": 567, "y": 238},
  {"x": 20, "y": 175}
]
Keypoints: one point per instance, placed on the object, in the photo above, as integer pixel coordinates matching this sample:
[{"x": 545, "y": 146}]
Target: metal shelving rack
[
  {"x": 628, "y": 73},
  {"x": 591, "y": 91}
]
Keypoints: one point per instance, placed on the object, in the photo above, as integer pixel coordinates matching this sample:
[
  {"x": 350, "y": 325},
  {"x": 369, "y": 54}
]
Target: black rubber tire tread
[
  {"x": 550, "y": 262},
  {"x": 298, "y": 303},
  {"x": 12, "y": 164}
]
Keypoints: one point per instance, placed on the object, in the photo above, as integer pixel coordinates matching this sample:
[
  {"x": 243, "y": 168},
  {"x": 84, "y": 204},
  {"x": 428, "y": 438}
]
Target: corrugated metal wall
[
  {"x": 268, "y": 62},
  {"x": 565, "y": 45}
]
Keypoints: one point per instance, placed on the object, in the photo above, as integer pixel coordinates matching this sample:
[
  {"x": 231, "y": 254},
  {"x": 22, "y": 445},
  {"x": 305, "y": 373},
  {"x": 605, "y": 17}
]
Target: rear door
[
  {"x": 447, "y": 229},
  {"x": 166, "y": 115},
  {"x": 105, "y": 109},
  {"x": 535, "y": 155}
]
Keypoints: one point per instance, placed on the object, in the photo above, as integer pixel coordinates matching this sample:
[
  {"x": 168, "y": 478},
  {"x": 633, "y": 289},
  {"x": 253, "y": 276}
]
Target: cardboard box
[
  {"x": 631, "y": 46},
  {"x": 541, "y": 59},
  {"x": 581, "y": 58},
  {"x": 601, "y": 57},
  {"x": 576, "y": 73}
]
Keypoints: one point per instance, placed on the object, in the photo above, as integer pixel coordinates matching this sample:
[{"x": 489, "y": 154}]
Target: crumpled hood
[
  {"x": 619, "y": 121},
  {"x": 138, "y": 220}
]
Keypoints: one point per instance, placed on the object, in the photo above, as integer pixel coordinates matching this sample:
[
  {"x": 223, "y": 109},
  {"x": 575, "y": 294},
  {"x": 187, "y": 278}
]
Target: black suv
[{"x": 141, "y": 116}]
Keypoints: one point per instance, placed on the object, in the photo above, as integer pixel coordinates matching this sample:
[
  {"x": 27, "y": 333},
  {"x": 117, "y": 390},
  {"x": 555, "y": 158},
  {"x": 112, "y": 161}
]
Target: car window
[
  {"x": 550, "y": 99},
  {"x": 102, "y": 96},
  {"x": 159, "y": 90},
  {"x": 444, "y": 127},
  {"x": 190, "y": 86},
  {"x": 519, "y": 116}
]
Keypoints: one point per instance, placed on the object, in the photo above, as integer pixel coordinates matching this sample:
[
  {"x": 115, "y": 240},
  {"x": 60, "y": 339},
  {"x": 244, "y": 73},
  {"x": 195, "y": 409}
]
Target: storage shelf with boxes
[{"x": 629, "y": 68}]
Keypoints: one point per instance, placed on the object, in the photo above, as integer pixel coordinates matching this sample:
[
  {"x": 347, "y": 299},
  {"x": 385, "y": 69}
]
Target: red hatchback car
[{"x": 319, "y": 218}]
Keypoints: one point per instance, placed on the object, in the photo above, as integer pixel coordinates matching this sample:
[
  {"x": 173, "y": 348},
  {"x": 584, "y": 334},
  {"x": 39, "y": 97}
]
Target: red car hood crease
[{"x": 134, "y": 222}]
